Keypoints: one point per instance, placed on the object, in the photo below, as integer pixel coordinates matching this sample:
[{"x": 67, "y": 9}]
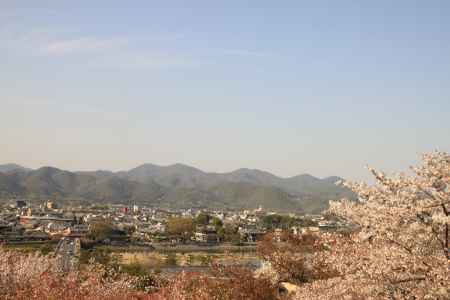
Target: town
[{"x": 22, "y": 222}]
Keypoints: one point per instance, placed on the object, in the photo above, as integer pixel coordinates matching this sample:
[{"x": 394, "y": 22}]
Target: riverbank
[{"x": 181, "y": 248}]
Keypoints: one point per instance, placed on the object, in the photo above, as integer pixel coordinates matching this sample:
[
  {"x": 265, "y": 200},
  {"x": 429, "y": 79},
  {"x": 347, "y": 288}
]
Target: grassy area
[{"x": 43, "y": 247}]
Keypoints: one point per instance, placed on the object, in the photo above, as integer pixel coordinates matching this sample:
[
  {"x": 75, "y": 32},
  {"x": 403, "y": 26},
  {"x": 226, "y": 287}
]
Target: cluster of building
[
  {"x": 24, "y": 222},
  {"x": 21, "y": 222}
]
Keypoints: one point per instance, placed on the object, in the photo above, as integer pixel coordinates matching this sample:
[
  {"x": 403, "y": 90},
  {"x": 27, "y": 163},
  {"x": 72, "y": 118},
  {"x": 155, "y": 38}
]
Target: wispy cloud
[
  {"x": 245, "y": 52},
  {"x": 116, "y": 52},
  {"x": 121, "y": 53},
  {"x": 137, "y": 61},
  {"x": 82, "y": 45},
  {"x": 158, "y": 50}
]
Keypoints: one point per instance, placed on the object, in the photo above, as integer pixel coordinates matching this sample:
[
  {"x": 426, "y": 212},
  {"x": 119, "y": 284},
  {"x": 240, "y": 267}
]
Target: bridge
[{"x": 68, "y": 252}]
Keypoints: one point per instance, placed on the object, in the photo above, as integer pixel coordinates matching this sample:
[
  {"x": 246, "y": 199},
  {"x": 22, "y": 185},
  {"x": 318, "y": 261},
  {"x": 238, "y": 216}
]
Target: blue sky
[{"x": 320, "y": 87}]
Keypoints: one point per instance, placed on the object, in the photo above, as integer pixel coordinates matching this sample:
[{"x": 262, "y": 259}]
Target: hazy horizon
[{"x": 321, "y": 88}]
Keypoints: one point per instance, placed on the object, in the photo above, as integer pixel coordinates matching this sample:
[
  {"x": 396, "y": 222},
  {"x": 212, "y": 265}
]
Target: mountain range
[{"x": 175, "y": 186}]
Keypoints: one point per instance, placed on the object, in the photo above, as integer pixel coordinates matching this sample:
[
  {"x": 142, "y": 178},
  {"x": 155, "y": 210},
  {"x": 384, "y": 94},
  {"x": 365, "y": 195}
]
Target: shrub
[
  {"x": 33, "y": 276},
  {"x": 292, "y": 258},
  {"x": 224, "y": 283}
]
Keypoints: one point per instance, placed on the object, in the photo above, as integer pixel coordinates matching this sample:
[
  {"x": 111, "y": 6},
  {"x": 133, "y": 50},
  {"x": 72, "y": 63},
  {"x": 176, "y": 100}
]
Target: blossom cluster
[
  {"x": 401, "y": 247},
  {"x": 34, "y": 276}
]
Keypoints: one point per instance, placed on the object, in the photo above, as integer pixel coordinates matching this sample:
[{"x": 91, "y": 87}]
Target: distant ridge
[
  {"x": 11, "y": 167},
  {"x": 175, "y": 186}
]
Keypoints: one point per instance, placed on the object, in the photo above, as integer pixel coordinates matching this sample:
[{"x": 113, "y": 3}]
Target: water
[{"x": 195, "y": 261}]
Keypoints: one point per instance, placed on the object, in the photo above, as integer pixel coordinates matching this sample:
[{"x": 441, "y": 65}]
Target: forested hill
[{"x": 175, "y": 186}]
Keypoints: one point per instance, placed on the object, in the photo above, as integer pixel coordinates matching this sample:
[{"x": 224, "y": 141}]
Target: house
[
  {"x": 206, "y": 234},
  {"x": 35, "y": 235},
  {"x": 310, "y": 229},
  {"x": 55, "y": 228},
  {"x": 158, "y": 227},
  {"x": 50, "y": 205},
  {"x": 78, "y": 230},
  {"x": 45, "y": 220},
  {"x": 255, "y": 235},
  {"x": 259, "y": 212},
  {"x": 20, "y": 204}
]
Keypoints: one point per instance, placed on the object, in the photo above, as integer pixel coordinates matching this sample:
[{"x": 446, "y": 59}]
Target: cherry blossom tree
[
  {"x": 401, "y": 250},
  {"x": 34, "y": 276}
]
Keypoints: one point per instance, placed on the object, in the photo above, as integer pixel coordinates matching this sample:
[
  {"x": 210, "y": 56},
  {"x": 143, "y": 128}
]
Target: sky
[{"x": 290, "y": 87}]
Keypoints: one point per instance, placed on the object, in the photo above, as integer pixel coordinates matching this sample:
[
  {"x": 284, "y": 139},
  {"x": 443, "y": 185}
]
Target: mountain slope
[
  {"x": 48, "y": 181},
  {"x": 245, "y": 195},
  {"x": 177, "y": 186},
  {"x": 11, "y": 167},
  {"x": 9, "y": 186},
  {"x": 177, "y": 175},
  {"x": 251, "y": 176}
]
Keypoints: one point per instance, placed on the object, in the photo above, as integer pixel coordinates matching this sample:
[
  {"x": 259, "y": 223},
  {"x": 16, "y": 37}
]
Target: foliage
[
  {"x": 278, "y": 221},
  {"x": 225, "y": 283},
  {"x": 235, "y": 239},
  {"x": 100, "y": 206},
  {"x": 221, "y": 233},
  {"x": 202, "y": 219},
  {"x": 134, "y": 268},
  {"x": 217, "y": 222},
  {"x": 46, "y": 248},
  {"x": 182, "y": 227},
  {"x": 291, "y": 257},
  {"x": 229, "y": 233},
  {"x": 129, "y": 230},
  {"x": 32, "y": 276},
  {"x": 205, "y": 260},
  {"x": 101, "y": 256},
  {"x": 101, "y": 230},
  {"x": 150, "y": 283},
  {"x": 171, "y": 259},
  {"x": 401, "y": 248}
]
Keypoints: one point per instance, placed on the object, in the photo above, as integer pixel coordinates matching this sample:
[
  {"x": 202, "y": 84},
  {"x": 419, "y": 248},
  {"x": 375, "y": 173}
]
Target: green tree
[
  {"x": 171, "y": 259},
  {"x": 202, "y": 219},
  {"x": 277, "y": 221},
  {"x": 98, "y": 255},
  {"x": 46, "y": 249},
  {"x": 182, "y": 227},
  {"x": 217, "y": 222},
  {"x": 230, "y": 233},
  {"x": 205, "y": 260},
  {"x": 134, "y": 268},
  {"x": 101, "y": 230},
  {"x": 221, "y": 233}
]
